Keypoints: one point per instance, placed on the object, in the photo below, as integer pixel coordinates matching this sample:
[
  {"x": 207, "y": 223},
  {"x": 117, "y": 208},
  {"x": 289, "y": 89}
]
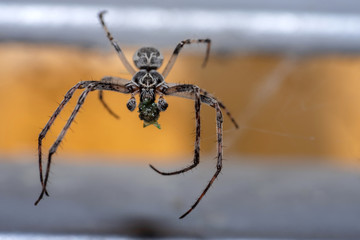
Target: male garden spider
[{"x": 147, "y": 82}]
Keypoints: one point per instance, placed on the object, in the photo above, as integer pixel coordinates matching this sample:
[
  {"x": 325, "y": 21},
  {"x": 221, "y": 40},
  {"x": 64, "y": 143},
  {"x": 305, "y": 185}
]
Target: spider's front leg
[
  {"x": 42, "y": 134},
  {"x": 219, "y": 130},
  {"x": 60, "y": 137},
  {"x": 189, "y": 91},
  {"x": 222, "y": 106},
  {"x": 196, "y": 160},
  {"x": 108, "y": 83}
]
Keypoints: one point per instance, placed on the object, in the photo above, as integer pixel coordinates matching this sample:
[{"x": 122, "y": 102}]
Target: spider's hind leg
[
  {"x": 113, "y": 42},
  {"x": 177, "y": 49}
]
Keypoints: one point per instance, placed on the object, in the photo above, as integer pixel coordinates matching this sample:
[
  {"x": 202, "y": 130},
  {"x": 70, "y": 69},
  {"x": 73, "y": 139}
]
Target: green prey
[{"x": 149, "y": 113}]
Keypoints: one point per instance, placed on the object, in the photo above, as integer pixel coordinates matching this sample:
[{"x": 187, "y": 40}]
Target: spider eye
[
  {"x": 131, "y": 104},
  {"x": 162, "y": 104}
]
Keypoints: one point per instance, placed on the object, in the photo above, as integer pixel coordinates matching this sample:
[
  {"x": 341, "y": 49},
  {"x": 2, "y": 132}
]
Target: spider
[{"x": 146, "y": 82}]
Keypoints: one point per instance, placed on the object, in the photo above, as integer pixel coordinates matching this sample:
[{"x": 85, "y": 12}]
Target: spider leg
[
  {"x": 107, "y": 83},
  {"x": 219, "y": 130},
  {"x": 42, "y": 134},
  {"x": 113, "y": 42},
  {"x": 205, "y": 93},
  {"x": 112, "y": 80},
  {"x": 101, "y": 98},
  {"x": 196, "y": 90},
  {"x": 186, "y": 91},
  {"x": 61, "y": 136},
  {"x": 177, "y": 49},
  {"x": 122, "y": 57}
]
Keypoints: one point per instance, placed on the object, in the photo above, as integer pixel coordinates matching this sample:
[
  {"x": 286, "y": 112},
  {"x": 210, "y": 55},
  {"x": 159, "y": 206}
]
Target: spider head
[{"x": 148, "y": 58}]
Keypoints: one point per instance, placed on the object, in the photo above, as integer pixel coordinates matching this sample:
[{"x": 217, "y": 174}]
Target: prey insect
[{"x": 148, "y": 83}]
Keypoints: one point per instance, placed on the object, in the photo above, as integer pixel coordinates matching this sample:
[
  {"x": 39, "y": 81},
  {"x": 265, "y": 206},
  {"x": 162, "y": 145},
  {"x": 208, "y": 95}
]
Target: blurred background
[{"x": 288, "y": 71}]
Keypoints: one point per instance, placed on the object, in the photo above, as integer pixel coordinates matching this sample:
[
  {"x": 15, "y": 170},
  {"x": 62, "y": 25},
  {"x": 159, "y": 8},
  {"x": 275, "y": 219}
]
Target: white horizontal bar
[{"x": 276, "y": 24}]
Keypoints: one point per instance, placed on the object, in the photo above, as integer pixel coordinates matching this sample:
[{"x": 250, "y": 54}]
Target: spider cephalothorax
[
  {"x": 147, "y": 79},
  {"x": 148, "y": 83}
]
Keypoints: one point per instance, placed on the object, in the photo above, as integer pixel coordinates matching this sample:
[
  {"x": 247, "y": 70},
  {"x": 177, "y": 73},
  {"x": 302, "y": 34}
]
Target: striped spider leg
[
  {"x": 177, "y": 49},
  {"x": 199, "y": 96},
  {"x": 107, "y": 83},
  {"x": 122, "y": 57},
  {"x": 115, "y": 44}
]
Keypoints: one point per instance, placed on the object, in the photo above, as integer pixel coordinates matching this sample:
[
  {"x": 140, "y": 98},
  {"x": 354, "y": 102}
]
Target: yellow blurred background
[{"x": 287, "y": 106}]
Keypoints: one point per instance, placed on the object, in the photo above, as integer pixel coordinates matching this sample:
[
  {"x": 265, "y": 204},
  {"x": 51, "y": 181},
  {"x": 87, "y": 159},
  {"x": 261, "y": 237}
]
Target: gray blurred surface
[
  {"x": 123, "y": 199},
  {"x": 259, "y": 25}
]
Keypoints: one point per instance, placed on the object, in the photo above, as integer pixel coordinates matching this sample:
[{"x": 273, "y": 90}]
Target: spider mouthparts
[{"x": 156, "y": 124}]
